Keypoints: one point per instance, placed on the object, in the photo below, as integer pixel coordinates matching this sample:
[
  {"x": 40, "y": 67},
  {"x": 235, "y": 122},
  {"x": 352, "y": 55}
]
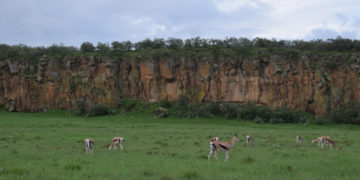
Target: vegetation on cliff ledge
[{"x": 197, "y": 47}]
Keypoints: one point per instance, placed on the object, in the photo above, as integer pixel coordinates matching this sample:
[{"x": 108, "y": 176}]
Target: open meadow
[{"x": 51, "y": 146}]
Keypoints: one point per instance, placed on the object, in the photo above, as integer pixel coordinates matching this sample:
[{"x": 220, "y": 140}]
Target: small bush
[
  {"x": 80, "y": 108},
  {"x": 286, "y": 114},
  {"x": 319, "y": 120},
  {"x": 247, "y": 111},
  {"x": 259, "y": 120},
  {"x": 192, "y": 110},
  {"x": 213, "y": 108},
  {"x": 165, "y": 103},
  {"x": 230, "y": 111},
  {"x": 135, "y": 105},
  {"x": 275, "y": 120},
  {"x": 129, "y": 105},
  {"x": 184, "y": 108},
  {"x": 182, "y": 102},
  {"x": 349, "y": 114},
  {"x": 100, "y": 110}
]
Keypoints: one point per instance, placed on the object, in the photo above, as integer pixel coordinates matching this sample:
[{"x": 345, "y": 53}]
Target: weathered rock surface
[{"x": 303, "y": 83}]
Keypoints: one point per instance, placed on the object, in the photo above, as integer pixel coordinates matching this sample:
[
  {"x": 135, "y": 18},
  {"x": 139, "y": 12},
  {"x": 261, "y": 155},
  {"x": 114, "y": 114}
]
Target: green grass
[{"x": 51, "y": 146}]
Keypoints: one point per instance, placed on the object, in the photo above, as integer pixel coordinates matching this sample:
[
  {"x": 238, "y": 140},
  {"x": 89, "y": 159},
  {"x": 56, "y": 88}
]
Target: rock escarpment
[{"x": 303, "y": 83}]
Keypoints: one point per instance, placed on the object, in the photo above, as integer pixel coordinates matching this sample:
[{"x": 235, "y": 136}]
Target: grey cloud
[
  {"x": 327, "y": 33},
  {"x": 44, "y": 22}
]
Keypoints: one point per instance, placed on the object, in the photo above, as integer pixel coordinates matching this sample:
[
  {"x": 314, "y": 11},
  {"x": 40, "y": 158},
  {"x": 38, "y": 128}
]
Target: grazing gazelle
[
  {"x": 89, "y": 145},
  {"x": 116, "y": 141},
  {"x": 330, "y": 142},
  {"x": 249, "y": 140},
  {"x": 216, "y": 146},
  {"x": 323, "y": 140},
  {"x": 299, "y": 140}
]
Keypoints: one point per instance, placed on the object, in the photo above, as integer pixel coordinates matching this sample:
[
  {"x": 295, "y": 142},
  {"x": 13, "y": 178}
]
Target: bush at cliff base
[{"x": 100, "y": 110}]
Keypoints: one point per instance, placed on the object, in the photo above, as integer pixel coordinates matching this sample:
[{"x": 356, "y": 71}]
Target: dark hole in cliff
[
  {"x": 169, "y": 80},
  {"x": 278, "y": 72}
]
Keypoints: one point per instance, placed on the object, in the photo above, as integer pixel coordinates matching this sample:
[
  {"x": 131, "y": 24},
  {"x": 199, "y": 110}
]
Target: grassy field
[{"x": 51, "y": 146}]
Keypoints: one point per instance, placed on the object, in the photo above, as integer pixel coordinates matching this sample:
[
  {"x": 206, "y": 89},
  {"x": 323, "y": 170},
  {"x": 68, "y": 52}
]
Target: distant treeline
[{"x": 241, "y": 45}]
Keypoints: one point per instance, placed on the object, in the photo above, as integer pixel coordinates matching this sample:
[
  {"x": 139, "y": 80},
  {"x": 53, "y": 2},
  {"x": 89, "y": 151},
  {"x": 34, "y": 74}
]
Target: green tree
[
  {"x": 87, "y": 47},
  {"x": 116, "y": 46},
  {"x": 103, "y": 47},
  {"x": 174, "y": 43}
]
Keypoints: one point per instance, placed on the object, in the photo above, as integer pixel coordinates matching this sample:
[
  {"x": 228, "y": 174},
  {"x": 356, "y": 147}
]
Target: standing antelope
[
  {"x": 299, "y": 140},
  {"x": 89, "y": 145},
  {"x": 216, "y": 146},
  {"x": 116, "y": 141},
  {"x": 323, "y": 140},
  {"x": 249, "y": 140}
]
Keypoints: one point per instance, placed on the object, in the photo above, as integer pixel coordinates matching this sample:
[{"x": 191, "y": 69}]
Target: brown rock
[{"x": 274, "y": 81}]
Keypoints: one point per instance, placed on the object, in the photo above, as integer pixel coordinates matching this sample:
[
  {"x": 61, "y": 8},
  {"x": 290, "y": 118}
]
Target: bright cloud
[{"x": 229, "y": 6}]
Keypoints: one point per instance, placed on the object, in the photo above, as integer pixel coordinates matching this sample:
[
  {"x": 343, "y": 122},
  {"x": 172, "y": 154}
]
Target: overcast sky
[{"x": 71, "y": 22}]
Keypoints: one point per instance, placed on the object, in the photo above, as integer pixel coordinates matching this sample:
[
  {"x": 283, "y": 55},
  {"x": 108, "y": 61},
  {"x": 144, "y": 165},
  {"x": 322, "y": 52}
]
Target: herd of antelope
[
  {"x": 216, "y": 145},
  {"x": 90, "y": 143}
]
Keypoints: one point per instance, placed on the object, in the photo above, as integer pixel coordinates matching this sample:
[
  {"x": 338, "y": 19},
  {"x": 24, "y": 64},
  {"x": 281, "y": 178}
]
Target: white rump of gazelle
[
  {"x": 117, "y": 141},
  {"x": 323, "y": 140},
  {"x": 89, "y": 145},
  {"x": 299, "y": 140},
  {"x": 249, "y": 140},
  {"x": 216, "y": 146}
]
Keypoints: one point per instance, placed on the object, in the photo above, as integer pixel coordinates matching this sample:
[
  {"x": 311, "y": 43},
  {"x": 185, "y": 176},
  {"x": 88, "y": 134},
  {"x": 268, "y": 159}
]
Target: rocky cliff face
[{"x": 303, "y": 83}]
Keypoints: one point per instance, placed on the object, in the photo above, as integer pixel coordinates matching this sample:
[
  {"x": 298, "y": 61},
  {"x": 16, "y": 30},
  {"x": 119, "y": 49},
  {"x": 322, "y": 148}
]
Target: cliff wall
[{"x": 304, "y": 83}]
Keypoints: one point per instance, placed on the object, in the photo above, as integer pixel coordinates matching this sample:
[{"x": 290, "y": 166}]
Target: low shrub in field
[
  {"x": 192, "y": 110},
  {"x": 129, "y": 104},
  {"x": 230, "y": 110},
  {"x": 183, "y": 107},
  {"x": 262, "y": 114},
  {"x": 100, "y": 110},
  {"x": 250, "y": 111},
  {"x": 213, "y": 108},
  {"x": 275, "y": 120},
  {"x": 347, "y": 115},
  {"x": 320, "y": 120},
  {"x": 80, "y": 108},
  {"x": 265, "y": 113},
  {"x": 165, "y": 103},
  {"x": 135, "y": 105},
  {"x": 247, "y": 111},
  {"x": 285, "y": 114},
  {"x": 259, "y": 120},
  {"x": 182, "y": 102}
]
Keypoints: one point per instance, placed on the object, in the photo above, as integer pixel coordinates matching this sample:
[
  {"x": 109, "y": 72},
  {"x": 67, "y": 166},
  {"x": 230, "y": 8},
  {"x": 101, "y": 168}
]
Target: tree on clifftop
[{"x": 87, "y": 47}]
